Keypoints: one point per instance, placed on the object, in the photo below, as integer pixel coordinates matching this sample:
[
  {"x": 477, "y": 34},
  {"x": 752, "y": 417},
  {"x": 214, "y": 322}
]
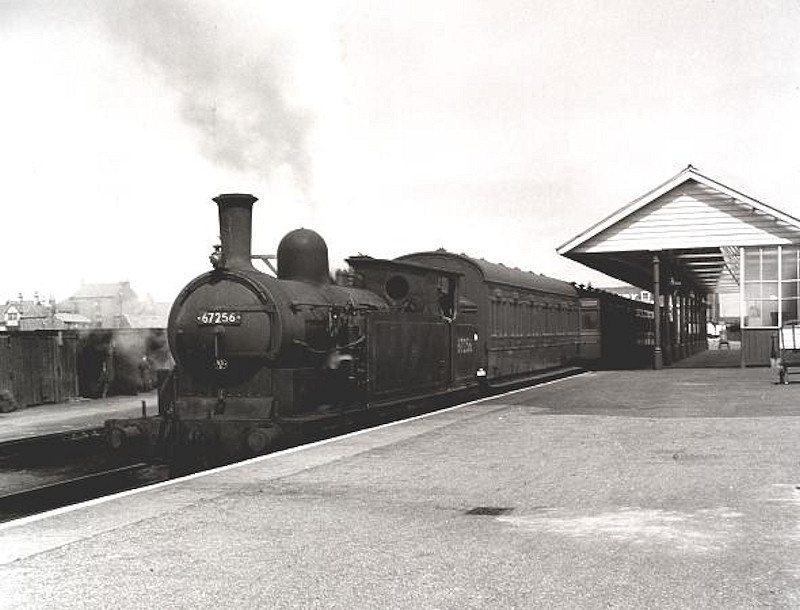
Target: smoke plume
[{"x": 231, "y": 91}]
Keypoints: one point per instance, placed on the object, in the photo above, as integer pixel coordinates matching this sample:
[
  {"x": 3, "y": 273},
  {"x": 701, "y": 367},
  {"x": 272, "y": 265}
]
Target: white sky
[{"x": 498, "y": 128}]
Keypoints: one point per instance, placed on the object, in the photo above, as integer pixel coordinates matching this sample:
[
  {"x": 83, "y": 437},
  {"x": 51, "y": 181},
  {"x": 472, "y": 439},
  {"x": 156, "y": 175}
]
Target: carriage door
[
  {"x": 465, "y": 354},
  {"x": 590, "y": 348},
  {"x": 464, "y": 346}
]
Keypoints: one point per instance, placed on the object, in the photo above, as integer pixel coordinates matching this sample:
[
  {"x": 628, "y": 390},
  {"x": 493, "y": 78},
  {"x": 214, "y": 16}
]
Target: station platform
[
  {"x": 74, "y": 415},
  {"x": 646, "y": 489}
]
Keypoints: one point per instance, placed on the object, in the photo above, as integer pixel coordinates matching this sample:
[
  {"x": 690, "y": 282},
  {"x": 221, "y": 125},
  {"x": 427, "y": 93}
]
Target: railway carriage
[
  {"x": 615, "y": 332},
  {"x": 525, "y": 322}
]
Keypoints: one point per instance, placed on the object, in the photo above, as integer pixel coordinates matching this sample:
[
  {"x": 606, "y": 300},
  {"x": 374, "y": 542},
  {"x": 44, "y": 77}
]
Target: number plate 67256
[{"x": 231, "y": 318}]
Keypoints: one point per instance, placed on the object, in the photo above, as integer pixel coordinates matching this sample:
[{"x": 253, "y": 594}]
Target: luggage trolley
[{"x": 789, "y": 345}]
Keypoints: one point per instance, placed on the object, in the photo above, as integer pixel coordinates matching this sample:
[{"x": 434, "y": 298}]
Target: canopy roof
[{"x": 694, "y": 223}]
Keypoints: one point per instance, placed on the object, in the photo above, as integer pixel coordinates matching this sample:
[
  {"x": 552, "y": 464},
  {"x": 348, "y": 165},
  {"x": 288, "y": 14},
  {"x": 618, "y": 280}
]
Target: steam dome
[{"x": 303, "y": 256}]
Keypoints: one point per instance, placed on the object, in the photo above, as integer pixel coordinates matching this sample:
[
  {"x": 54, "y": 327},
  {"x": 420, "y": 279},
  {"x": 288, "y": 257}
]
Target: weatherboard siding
[{"x": 691, "y": 215}]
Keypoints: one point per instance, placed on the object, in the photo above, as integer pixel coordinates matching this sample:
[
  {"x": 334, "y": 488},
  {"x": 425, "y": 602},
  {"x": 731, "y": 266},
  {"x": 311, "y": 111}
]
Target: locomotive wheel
[
  {"x": 119, "y": 438},
  {"x": 116, "y": 439},
  {"x": 261, "y": 440}
]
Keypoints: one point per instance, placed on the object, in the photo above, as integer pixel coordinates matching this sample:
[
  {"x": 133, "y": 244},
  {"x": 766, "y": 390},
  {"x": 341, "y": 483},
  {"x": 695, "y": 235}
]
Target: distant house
[
  {"x": 22, "y": 315},
  {"x": 11, "y": 317},
  {"x": 106, "y": 305},
  {"x": 113, "y": 305},
  {"x": 149, "y": 315}
]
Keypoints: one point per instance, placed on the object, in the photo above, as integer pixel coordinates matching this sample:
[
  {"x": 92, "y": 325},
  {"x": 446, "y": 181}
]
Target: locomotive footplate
[{"x": 235, "y": 425}]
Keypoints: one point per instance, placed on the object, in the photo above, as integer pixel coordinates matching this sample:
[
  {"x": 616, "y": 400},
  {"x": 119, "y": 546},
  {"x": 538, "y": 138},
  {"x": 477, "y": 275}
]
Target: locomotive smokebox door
[{"x": 221, "y": 325}]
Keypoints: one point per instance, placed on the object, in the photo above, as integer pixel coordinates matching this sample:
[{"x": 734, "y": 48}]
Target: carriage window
[
  {"x": 532, "y": 318},
  {"x": 515, "y": 308},
  {"x": 574, "y": 318},
  {"x": 539, "y": 320},
  {"x": 589, "y": 319},
  {"x": 501, "y": 316},
  {"x": 526, "y": 319}
]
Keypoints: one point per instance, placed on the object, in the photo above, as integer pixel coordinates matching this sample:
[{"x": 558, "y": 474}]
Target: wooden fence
[
  {"x": 39, "y": 367},
  {"x": 44, "y": 366}
]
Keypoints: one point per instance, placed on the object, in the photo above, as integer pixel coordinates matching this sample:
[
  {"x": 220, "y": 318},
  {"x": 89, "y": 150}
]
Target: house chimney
[{"x": 235, "y": 229}]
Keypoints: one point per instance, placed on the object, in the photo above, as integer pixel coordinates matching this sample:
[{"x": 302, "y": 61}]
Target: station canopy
[{"x": 698, "y": 227}]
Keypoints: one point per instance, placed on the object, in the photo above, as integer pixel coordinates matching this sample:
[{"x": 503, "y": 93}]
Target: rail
[
  {"x": 34, "y": 443},
  {"x": 63, "y": 493}
]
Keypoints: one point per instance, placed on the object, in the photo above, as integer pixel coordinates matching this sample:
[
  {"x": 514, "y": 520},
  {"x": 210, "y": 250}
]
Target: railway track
[
  {"x": 70, "y": 440},
  {"x": 56, "y": 470},
  {"x": 40, "y": 473},
  {"x": 78, "y": 489}
]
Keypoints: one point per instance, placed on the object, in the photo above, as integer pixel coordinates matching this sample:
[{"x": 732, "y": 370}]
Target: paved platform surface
[
  {"x": 73, "y": 415},
  {"x": 649, "y": 489}
]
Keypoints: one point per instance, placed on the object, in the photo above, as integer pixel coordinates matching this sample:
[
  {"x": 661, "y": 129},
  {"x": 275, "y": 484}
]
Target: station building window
[
  {"x": 771, "y": 286},
  {"x": 790, "y": 280},
  {"x": 761, "y": 286}
]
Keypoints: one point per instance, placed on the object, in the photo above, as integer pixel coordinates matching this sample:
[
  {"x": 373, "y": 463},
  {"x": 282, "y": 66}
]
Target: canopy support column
[{"x": 658, "y": 362}]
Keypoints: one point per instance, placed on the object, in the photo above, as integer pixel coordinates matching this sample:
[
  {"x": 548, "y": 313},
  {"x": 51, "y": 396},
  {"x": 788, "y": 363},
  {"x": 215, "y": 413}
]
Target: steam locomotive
[{"x": 258, "y": 357}]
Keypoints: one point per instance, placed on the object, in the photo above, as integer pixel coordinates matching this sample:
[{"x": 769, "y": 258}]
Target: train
[{"x": 260, "y": 356}]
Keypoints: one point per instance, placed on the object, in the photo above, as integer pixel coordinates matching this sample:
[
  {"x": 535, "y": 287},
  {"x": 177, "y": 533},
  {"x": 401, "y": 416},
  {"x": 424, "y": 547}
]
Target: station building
[{"x": 703, "y": 249}]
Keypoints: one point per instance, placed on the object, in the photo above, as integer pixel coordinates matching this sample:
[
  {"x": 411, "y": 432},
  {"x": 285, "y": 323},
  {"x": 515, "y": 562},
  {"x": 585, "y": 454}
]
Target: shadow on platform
[{"x": 713, "y": 358}]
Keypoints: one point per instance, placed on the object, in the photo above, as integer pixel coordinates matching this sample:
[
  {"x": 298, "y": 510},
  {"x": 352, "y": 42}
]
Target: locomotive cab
[{"x": 426, "y": 342}]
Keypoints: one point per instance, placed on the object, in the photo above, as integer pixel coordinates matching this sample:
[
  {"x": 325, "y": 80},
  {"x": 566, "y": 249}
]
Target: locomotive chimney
[{"x": 235, "y": 229}]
